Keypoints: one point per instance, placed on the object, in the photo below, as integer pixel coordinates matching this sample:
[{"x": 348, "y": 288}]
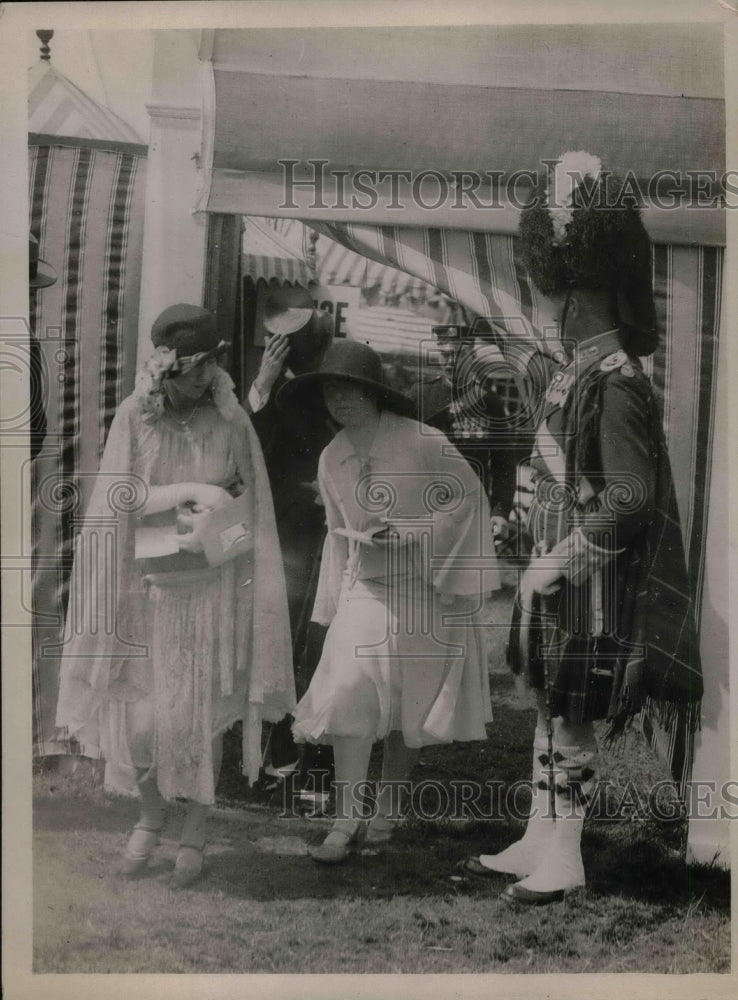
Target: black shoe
[
  {"x": 528, "y": 897},
  {"x": 473, "y": 866}
]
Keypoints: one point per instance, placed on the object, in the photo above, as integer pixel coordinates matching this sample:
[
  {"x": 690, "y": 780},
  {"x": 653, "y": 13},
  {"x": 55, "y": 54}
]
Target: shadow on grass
[
  {"x": 620, "y": 860},
  {"x": 626, "y": 859},
  {"x": 641, "y": 869}
]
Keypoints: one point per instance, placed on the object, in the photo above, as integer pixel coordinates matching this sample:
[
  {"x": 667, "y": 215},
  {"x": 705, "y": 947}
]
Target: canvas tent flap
[
  {"x": 500, "y": 99},
  {"x": 58, "y": 107}
]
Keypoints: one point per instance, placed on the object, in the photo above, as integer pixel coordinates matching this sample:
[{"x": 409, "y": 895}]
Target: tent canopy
[
  {"x": 58, "y": 107},
  {"x": 500, "y": 99}
]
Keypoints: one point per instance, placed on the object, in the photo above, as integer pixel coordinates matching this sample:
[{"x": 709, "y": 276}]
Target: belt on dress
[{"x": 182, "y": 579}]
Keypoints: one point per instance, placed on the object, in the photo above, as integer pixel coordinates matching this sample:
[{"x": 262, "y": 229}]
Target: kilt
[{"x": 619, "y": 635}]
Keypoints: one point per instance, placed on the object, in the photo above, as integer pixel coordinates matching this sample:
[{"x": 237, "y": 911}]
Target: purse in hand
[{"x": 227, "y": 533}]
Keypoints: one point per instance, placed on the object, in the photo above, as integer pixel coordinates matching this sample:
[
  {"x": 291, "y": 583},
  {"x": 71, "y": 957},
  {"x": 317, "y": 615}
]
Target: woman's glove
[
  {"x": 544, "y": 575},
  {"x": 189, "y": 522},
  {"x": 178, "y": 494},
  {"x": 207, "y": 496}
]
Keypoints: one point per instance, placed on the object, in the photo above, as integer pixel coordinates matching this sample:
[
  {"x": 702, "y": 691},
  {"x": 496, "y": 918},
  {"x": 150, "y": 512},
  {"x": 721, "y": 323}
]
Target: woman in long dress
[
  {"x": 407, "y": 557},
  {"x": 165, "y": 649}
]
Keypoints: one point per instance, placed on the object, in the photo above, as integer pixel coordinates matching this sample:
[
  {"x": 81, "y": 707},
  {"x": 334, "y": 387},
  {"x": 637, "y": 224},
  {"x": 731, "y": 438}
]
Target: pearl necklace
[{"x": 187, "y": 420}]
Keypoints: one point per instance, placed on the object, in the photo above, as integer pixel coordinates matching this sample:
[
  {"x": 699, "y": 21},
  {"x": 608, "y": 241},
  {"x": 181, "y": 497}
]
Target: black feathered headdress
[{"x": 583, "y": 229}]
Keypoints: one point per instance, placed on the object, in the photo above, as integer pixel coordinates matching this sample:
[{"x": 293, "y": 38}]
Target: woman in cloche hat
[
  {"x": 196, "y": 644},
  {"x": 402, "y": 661}
]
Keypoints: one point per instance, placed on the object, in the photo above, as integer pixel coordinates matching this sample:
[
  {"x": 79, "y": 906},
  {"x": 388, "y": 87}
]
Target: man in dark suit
[{"x": 297, "y": 337}]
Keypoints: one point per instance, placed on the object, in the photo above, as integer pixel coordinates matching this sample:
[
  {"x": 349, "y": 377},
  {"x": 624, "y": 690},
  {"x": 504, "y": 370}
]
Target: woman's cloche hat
[
  {"x": 355, "y": 362},
  {"x": 191, "y": 332}
]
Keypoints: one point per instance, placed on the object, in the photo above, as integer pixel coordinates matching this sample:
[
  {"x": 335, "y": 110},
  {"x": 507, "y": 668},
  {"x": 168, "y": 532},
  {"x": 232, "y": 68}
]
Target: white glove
[
  {"x": 188, "y": 527},
  {"x": 177, "y": 494},
  {"x": 207, "y": 496}
]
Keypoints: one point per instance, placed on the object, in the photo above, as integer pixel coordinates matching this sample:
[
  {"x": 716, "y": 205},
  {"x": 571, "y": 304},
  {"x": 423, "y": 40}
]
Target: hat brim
[
  {"x": 287, "y": 322},
  {"x": 306, "y": 389},
  {"x": 185, "y": 368},
  {"x": 45, "y": 275}
]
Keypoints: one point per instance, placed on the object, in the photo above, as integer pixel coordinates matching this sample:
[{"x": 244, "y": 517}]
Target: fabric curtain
[{"x": 86, "y": 209}]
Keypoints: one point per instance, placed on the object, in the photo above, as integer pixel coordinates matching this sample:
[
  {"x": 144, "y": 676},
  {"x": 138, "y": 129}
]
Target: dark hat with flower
[
  {"x": 190, "y": 332},
  {"x": 583, "y": 229},
  {"x": 355, "y": 362}
]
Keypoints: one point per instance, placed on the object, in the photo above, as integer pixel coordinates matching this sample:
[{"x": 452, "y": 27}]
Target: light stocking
[
  {"x": 561, "y": 866},
  {"x": 351, "y": 755},
  {"x": 398, "y": 761},
  {"x": 522, "y": 857}
]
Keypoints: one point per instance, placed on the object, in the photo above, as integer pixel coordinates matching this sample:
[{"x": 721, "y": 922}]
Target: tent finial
[{"x": 45, "y": 37}]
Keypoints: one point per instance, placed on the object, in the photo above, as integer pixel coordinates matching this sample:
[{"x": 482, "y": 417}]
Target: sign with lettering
[{"x": 342, "y": 302}]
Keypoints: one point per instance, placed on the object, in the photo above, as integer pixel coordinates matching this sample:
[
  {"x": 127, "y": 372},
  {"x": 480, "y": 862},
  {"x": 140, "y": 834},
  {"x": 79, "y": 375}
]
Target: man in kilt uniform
[{"x": 602, "y": 624}]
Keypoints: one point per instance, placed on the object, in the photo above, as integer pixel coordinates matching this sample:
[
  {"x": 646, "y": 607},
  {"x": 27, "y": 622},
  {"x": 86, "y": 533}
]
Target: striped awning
[
  {"x": 58, "y": 107},
  {"x": 286, "y": 270},
  {"x": 267, "y": 254},
  {"x": 337, "y": 265},
  {"x": 394, "y": 331}
]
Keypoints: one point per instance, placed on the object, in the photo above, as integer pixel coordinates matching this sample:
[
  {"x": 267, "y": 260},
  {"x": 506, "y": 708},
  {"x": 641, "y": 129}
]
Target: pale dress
[
  {"x": 193, "y": 674},
  {"x": 404, "y": 649}
]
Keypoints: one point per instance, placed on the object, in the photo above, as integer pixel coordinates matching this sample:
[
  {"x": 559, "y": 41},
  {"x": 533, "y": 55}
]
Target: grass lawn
[{"x": 266, "y": 907}]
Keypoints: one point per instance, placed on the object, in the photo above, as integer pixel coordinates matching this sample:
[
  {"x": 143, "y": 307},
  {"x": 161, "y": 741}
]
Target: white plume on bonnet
[{"x": 568, "y": 174}]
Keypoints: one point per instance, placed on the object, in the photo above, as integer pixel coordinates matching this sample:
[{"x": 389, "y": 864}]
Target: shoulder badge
[
  {"x": 627, "y": 369},
  {"x": 613, "y": 361}
]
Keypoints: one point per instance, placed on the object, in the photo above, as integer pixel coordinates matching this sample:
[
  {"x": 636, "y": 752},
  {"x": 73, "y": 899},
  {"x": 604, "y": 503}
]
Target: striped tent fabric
[
  {"x": 337, "y": 265},
  {"x": 86, "y": 209},
  {"x": 284, "y": 270},
  {"x": 268, "y": 255},
  {"x": 290, "y": 240},
  {"x": 394, "y": 331},
  {"x": 484, "y": 273}
]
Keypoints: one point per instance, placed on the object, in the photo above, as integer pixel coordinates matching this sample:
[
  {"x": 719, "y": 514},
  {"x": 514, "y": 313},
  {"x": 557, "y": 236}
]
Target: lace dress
[{"x": 195, "y": 648}]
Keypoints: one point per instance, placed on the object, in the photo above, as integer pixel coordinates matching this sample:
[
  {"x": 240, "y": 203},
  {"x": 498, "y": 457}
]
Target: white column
[{"x": 175, "y": 237}]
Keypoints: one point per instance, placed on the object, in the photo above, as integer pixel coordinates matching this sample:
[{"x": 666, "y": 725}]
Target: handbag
[{"x": 227, "y": 532}]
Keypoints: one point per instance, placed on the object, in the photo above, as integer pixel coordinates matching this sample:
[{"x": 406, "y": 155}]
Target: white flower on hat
[
  {"x": 568, "y": 174},
  {"x": 148, "y": 386},
  {"x": 164, "y": 359}
]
